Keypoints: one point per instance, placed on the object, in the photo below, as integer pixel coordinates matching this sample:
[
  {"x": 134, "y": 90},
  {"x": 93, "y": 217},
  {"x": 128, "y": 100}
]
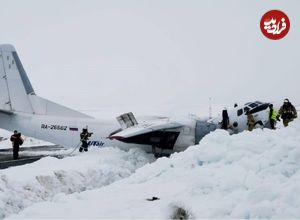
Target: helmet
[{"x": 286, "y": 101}]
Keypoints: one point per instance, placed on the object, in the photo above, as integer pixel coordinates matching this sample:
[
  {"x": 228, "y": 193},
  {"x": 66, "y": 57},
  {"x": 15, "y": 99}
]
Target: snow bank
[
  {"x": 249, "y": 175},
  {"x": 22, "y": 186}
]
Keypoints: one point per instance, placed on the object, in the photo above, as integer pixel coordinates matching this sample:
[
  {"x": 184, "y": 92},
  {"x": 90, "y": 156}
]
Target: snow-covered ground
[
  {"x": 28, "y": 141},
  {"x": 249, "y": 175},
  {"x": 50, "y": 178}
]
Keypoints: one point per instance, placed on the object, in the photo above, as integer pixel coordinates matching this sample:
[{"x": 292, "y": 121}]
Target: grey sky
[{"x": 153, "y": 56}]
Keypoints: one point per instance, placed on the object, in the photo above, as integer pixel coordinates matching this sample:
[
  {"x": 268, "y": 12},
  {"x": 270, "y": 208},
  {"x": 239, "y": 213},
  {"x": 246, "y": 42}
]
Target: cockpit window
[
  {"x": 259, "y": 108},
  {"x": 240, "y": 112},
  {"x": 253, "y": 105}
]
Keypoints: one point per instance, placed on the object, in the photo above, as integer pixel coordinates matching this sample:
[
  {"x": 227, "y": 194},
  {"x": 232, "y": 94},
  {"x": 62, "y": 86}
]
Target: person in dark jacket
[
  {"x": 16, "y": 140},
  {"x": 225, "y": 119},
  {"x": 84, "y": 137},
  {"x": 288, "y": 112}
]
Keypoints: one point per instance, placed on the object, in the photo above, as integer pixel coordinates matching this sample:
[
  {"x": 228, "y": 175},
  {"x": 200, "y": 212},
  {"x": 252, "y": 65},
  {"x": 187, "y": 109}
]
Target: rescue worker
[
  {"x": 288, "y": 112},
  {"x": 225, "y": 119},
  {"x": 273, "y": 116},
  {"x": 250, "y": 121},
  {"x": 84, "y": 137},
  {"x": 16, "y": 140}
]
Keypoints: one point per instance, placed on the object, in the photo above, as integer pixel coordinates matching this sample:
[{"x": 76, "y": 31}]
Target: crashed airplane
[{"x": 34, "y": 116}]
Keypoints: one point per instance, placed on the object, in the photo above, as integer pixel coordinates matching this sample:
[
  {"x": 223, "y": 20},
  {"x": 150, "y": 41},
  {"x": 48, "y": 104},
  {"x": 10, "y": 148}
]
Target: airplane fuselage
[{"x": 65, "y": 131}]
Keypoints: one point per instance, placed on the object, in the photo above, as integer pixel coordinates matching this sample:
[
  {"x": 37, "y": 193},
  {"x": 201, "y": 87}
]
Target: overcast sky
[{"x": 153, "y": 56}]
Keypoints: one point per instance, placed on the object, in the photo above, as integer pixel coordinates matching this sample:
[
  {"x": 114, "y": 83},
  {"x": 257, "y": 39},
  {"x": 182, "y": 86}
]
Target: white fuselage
[{"x": 66, "y": 131}]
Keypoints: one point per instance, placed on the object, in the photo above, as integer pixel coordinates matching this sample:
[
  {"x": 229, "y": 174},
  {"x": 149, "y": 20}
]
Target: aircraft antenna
[{"x": 210, "y": 109}]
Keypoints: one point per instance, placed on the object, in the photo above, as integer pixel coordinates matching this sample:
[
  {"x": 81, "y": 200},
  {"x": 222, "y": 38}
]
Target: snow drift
[
  {"x": 25, "y": 185},
  {"x": 249, "y": 175}
]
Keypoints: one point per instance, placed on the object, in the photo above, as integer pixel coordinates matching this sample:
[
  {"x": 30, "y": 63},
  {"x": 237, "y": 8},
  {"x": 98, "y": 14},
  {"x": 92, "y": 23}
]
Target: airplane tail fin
[
  {"x": 15, "y": 86},
  {"x": 17, "y": 93}
]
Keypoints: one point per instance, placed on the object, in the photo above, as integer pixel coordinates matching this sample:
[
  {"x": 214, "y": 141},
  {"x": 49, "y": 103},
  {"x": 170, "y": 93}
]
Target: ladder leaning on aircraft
[{"x": 22, "y": 109}]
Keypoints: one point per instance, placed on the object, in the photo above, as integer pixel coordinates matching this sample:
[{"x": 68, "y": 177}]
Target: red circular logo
[{"x": 275, "y": 24}]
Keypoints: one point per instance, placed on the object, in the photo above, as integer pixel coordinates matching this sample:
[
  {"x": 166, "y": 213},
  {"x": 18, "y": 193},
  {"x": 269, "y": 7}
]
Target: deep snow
[
  {"x": 249, "y": 175},
  {"x": 49, "y": 177}
]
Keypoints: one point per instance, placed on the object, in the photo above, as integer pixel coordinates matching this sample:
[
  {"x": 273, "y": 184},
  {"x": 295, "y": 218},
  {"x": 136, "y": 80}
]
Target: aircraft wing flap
[{"x": 145, "y": 128}]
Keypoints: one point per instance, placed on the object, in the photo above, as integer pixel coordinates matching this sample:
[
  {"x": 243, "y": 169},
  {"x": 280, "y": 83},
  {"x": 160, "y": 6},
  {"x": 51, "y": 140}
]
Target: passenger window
[{"x": 239, "y": 112}]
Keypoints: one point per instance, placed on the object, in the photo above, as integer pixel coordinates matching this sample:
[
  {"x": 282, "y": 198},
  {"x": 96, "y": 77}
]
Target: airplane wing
[
  {"x": 145, "y": 128},
  {"x": 160, "y": 133}
]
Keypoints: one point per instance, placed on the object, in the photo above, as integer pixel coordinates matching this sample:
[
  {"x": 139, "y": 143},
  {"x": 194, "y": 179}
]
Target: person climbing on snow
[
  {"x": 273, "y": 116},
  {"x": 16, "y": 140},
  {"x": 288, "y": 112},
  {"x": 250, "y": 121}
]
